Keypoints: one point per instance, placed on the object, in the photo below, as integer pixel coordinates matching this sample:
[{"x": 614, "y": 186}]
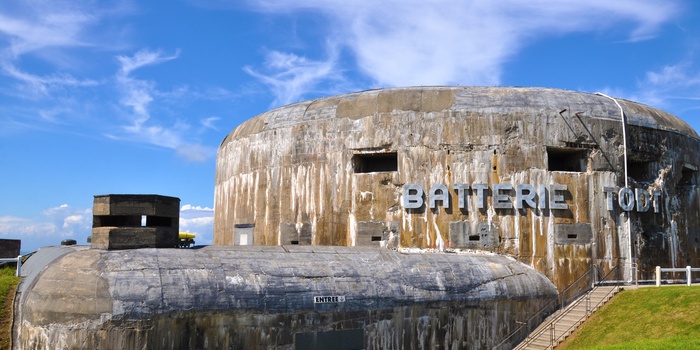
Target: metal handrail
[
  {"x": 17, "y": 260},
  {"x": 566, "y": 301},
  {"x": 550, "y": 326},
  {"x": 559, "y": 302},
  {"x": 563, "y": 302},
  {"x": 589, "y": 309}
]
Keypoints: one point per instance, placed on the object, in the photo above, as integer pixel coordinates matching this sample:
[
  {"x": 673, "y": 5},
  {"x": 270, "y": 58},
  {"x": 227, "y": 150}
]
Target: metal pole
[
  {"x": 658, "y": 276},
  {"x": 687, "y": 274},
  {"x": 623, "y": 120},
  {"x": 19, "y": 265}
]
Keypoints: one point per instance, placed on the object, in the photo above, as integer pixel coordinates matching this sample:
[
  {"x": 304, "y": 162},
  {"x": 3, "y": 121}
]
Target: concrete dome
[{"x": 271, "y": 297}]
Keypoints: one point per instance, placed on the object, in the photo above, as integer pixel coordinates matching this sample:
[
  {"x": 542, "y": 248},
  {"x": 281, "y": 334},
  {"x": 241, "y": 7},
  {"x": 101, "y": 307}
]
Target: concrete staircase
[{"x": 561, "y": 324}]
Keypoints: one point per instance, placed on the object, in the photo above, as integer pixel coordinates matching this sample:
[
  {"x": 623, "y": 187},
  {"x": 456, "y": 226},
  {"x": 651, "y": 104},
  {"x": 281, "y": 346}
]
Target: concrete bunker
[
  {"x": 520, "y": 197},
  {"x": 339, "y": 168},
  {"x": 285, "y": 297},
  {"x": 129, "y": 221}
]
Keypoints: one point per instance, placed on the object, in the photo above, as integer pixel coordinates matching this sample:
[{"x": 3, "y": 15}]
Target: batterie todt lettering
[{"x": 526, "y": 196}]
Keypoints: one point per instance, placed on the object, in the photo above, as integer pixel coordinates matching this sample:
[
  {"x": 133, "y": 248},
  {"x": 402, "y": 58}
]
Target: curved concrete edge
[
  {"x": 88, "y": 292},
  {"x": 437, "y": 98}
]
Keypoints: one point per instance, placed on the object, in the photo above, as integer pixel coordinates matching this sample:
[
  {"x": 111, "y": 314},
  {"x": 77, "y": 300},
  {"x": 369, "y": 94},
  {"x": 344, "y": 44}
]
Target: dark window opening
[
  {"x": 344, "y": 339},
  {"x": 376, "y": 238},
  {"x": 152, "y": 221},
  {"x": 131, "y": 221},
  {"x": 567, "y": 159},
  {"x": 244, "y": 225},
  {"x": 580, "y": 145},
  {"x": 294, "y": 242},
  {"x": 640, "y": 171},
  {"x": 687, "y": 177},
  {"x": 572, "y": 236},
  {"x": 375, "y": 162},
  {"x": 474, "y": 237},
  {"x": 115, "y": 220}
]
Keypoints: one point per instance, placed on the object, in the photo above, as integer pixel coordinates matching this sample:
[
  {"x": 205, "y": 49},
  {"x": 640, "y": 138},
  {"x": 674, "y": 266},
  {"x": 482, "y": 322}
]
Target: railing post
[
  {"x": 551, "y": 334},
  {"x": 658, "y": 276},
  {"x": 588, "y": 304},
  {"x": 687, "y": 274},
  {"x": 19, "y": 265}
]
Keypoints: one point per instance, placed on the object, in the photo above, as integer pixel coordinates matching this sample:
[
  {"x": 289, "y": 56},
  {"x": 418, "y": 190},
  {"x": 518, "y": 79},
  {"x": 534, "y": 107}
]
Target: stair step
[
  {"x": 541, "y": 344},
  {"x": 566, "y": 321}
]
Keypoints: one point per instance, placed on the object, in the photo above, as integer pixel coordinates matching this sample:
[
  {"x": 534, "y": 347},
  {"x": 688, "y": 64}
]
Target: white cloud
[
  {"x": 400, "y": 43},
  {"x": 137, "y": 96},
  {"x": 54, "y": 225},
  {"x": 190, "y": 207},
  {"x": 195, "y": 152},
  {"x": 43, "y": 50},
  {"x": 674, "y": 86},
  {"x": 64, "y": 221},
  {"x": 209, "y": 123},
  {"x": 142, "y": 58},
  {"x": 290, "y": 76},
  {"x": 45, "y": 29},
  {"x": 17, "y": 228}
]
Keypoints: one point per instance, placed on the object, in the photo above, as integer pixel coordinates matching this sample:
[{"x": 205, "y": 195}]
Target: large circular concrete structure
[{"x": 538, "y": 174}]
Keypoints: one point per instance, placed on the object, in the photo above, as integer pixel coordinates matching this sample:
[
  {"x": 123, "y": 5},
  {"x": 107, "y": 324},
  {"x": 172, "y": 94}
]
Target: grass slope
[
  {"x": 8, "y": 283},
  {"x": 646, "y": 318}
]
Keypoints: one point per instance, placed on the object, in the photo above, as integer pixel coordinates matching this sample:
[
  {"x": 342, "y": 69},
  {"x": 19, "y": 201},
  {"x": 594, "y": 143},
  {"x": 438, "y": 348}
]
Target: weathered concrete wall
[
  {"x": 293, "y": 172},
  {"x": 10, "y": 248},
  {"x": 264, "y": 297}
]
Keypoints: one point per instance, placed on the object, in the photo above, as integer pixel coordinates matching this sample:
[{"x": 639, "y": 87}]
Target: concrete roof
[
  {"x": 483, "y": 100},
  {"x": 87, "y": 284}
]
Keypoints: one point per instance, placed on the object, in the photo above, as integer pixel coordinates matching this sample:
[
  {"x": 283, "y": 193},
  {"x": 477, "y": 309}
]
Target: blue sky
[{"x": 100, "y": 97}]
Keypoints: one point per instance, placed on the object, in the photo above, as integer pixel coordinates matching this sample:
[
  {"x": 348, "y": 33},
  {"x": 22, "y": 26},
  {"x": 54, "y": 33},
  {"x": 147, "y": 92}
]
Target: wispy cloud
[
  {"x": 398, "y": 42},
  {"x": 290, "y": 76},
  {"x": 138, "y": 94},
  {"x": 141, "y": 59},
  {"x": 43, "y": 29},
  {"x": 42, "y": 49},
  {"x": 674, "y": 86}
]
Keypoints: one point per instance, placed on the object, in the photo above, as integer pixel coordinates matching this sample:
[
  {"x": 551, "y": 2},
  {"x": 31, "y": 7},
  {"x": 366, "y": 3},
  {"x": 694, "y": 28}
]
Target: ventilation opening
[
  {"x": 572, "y": 236},
  {"x": 294, "y": 242},
  {"x": 474, "y": 237},
  {"x": 375, "y": 162},
  {"x": 567, "y": 159},
  {"x": 376, "y": 238}
]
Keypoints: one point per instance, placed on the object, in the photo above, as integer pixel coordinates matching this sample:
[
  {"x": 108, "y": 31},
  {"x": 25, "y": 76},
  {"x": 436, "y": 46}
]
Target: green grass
[
  {"x": 646, "y": 318},
  {"x": 8, "y": 283}
]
